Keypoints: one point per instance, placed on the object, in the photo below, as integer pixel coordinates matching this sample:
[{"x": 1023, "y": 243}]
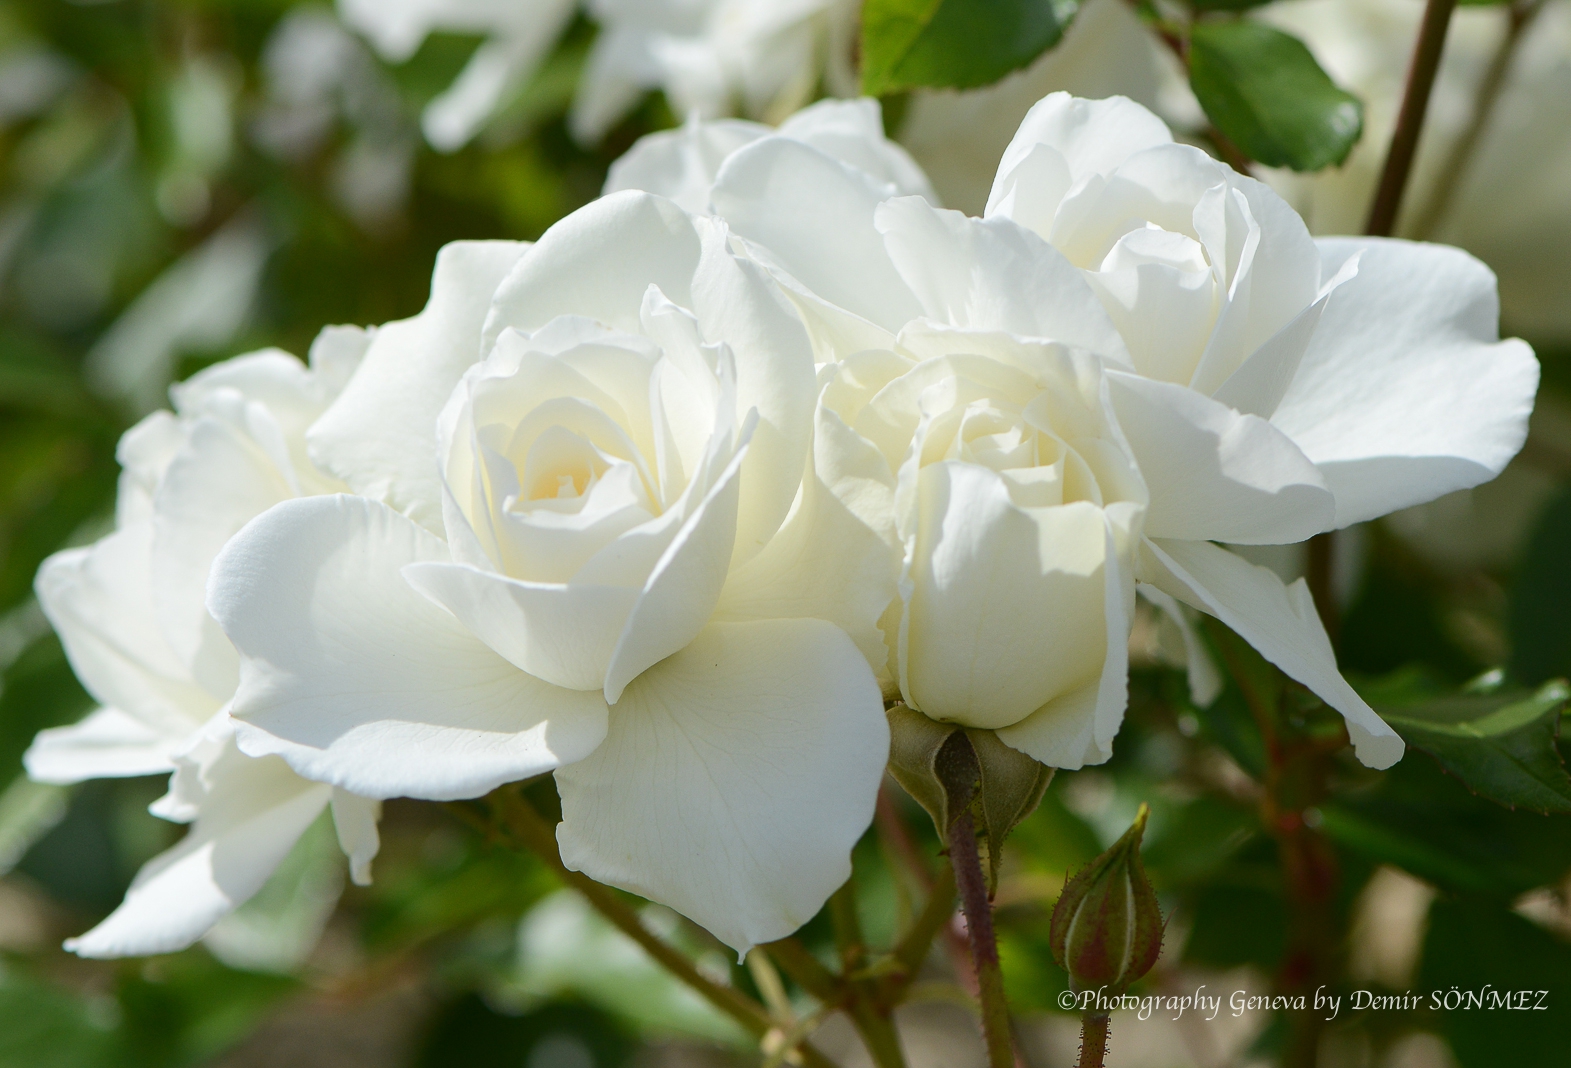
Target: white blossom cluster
[{"x": 671, "y": 502}]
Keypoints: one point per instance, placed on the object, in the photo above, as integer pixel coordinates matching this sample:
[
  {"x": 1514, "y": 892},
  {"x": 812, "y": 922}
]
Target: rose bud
[{"x": 1107, "y": 929}]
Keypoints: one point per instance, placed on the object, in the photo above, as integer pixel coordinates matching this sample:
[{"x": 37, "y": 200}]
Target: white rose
[
  {"x": 764, "y": 58},
  {"x": 682, "y": 164},
  {"x": 957, "y": 136},
  {"x": 130, "y": 612},
  {"x": 1017, "y": 504},
  {"x": 519, "y": 34},
  {"x": 637, "y": 588},
  {"x": 1269, "y": 387}
]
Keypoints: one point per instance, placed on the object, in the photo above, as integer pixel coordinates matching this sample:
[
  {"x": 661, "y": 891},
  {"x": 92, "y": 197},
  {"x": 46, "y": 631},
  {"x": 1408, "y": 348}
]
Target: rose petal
[
  {"x": 1405, "y": 394},
  {"x": 1279, "y": 621},
  {"x": 359, "y": 681},
  {"x": 735, "y": 779}
]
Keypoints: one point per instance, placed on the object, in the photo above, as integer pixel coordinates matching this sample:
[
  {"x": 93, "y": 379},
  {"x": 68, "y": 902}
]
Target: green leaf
[
  {"x": 1540, "y": 621},
  {"x": 1507, "y": 754},
  {"x": 1483, "y": 949},
  {"x": 955, "y": 43},
  {"x": 1263, "y": 90},
  {"x": 1426, "y": 822}
]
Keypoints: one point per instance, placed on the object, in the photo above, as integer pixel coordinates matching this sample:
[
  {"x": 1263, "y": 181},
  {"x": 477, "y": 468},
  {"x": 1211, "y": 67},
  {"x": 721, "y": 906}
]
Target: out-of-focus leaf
[
  {"x": 36, "y": 377},
  {"x": 1192, "y": 841},
  {"x": 38, "y": 690},
  {"x": 55, "y": 475},
  {"x": 1263, "y": 90},
  {"x": 470, "y": 1033},
  {"x": 1484, "y": 948},
  {"x": 1226, "y": 5},
  {"x": 1426, "y": 822},
  {"x": 459, "y": 882},
  {"x": 41, "y": 1027},
  {"x": 276, "y": 930},
  {"x": 200, "y": 301},
  {"x": 1032, "y": 979},
  {"x": 186, "y": 1009},
  {"x": 89, "y": 858},
  {"x": 1053, "y": 839},
  {"x": 954, "y": 43},
  {"x": 566, "y": 948},
  {"x": 1504, "y": 750},
  {"x": 1541, "y": 599},
  {"x": 28, "y": 811},
  {"x": 1398, "y": 622},
  {"x": 1235, "y": 923}
]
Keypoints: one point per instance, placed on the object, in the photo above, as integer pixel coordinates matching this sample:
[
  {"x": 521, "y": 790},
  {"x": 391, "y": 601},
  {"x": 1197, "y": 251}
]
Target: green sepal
[{"x": 949, "y": 769}]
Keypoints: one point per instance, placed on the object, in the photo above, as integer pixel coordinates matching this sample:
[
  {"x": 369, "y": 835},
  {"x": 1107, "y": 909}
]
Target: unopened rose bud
[{"x": 1107, "y": 928}]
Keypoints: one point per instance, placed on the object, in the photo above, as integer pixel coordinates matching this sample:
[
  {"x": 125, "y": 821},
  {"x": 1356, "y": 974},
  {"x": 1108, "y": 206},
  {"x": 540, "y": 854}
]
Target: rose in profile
[
  {"x": 130, "y": 611},
  {"x": 600, "y": 558}
]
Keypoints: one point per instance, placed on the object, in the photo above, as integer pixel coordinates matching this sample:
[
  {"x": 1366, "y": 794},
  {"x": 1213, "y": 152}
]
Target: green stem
[
  {"x": 527, "y": 827},
  {"x": 967, "y": 861},
  {"x": 1410, "y": 120},
  {"x": 870, "y": 1016},
  {"x": 914, "y": 947},
  {"x": 1093, "y": 1040},
  {"x": 805, "y": 970}
]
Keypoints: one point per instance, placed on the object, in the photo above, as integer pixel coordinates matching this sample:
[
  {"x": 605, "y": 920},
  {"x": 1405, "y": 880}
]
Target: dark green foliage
[
  {"x": 1502, "y": 747},
  {"x": 469, "y": 1033},
  {"x": 1541, "y": 598},
  {"x": 1427, "y": 822},
  {"x": 1482, "y": 948}
]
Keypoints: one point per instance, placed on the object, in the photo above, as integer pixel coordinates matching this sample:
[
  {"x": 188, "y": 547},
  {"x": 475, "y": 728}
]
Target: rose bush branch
[
  {"x": 1410, "y": 120},
  {"x": 1519, "y": 16},
  {"x": 1296, "y": 778},
  {"x": 871, "y": 1014},
  {"x": 528, "y": 829}
]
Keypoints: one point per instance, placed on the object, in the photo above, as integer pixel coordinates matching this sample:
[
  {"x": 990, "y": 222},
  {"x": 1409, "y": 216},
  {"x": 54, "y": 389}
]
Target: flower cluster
[{"x": 672, "y": 502}]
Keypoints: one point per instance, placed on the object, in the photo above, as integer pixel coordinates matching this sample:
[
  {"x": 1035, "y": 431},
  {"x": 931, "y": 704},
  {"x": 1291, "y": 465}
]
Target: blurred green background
[{"x": 185, "y": 180}]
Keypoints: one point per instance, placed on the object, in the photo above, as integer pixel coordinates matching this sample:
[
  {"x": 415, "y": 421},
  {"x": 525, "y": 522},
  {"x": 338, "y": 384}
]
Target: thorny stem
[
  {"x": 1093, "y": 1040},
  {"x": 526, "y": 826},
  {"x": 978, "y": 909},
  {"x": 1410, "y": 120},
  {"x": 1519, "y": 16}
]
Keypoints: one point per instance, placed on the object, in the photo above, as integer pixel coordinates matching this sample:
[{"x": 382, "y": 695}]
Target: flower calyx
[{"x": 950, "y": 769}]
